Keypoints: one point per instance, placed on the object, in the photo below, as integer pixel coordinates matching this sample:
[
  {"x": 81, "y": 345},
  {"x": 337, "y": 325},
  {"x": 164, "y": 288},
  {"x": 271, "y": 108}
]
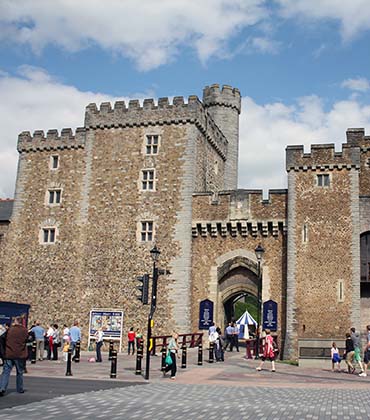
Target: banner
[
  {"x": 205, "y": 314},
  {"x": 9, "y": 310},
  {"x": 270, "y": 314}
]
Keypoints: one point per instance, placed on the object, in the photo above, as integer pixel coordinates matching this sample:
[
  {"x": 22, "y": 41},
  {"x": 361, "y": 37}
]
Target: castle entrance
[{"x": 237, "y": 289}]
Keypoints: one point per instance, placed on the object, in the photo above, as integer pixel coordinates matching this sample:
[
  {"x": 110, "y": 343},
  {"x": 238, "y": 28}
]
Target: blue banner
[
  {"x": 9, "y": 310},
  {"x": 205, "y": 314},
  {"x": 270, "y": 315}
]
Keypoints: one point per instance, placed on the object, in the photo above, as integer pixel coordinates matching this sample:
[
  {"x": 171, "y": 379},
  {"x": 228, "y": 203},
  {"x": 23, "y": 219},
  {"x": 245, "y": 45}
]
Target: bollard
[
  {"x": 69, "y": 363},
  {"x": 211, "y": 346},
  {"x": 77, "y": 352},
  {"x": 183, "y": 356},
  {"x": 113, "y": 367},
  {"x": 110, "y": 349},
  {"x": 33, "y": 352},
  {"x": 164, "y": 354},
  {"x": 139, "y": 358},
  {"x": 200, "y": 354}
]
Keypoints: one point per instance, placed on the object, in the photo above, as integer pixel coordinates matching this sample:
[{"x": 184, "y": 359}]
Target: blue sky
[{"x": 302, "y": 67}]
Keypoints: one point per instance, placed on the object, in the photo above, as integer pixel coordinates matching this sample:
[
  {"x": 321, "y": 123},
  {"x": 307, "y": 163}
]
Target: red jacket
[{"x": 16, "y": 338}]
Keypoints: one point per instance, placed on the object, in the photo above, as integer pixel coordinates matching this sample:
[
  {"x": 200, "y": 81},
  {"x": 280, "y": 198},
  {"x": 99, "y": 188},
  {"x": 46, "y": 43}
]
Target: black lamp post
[
  {"x": 155, "y": 252},
  {"x": 259, "y": 251}
]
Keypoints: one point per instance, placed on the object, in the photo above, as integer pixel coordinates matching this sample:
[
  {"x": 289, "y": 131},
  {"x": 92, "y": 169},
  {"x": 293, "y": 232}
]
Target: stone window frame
[
  {"x": 340, "y": 291},
  {"x": 320, "y": 180},
  {"x": 48, "y": 232},
  {"x": 53, "y": 191},
  {"x": 54, "y": 162},
  {"x": 146, "y": 231},
  {"x": 150, "y": 146},
  {"x": 147, "y": 182}
]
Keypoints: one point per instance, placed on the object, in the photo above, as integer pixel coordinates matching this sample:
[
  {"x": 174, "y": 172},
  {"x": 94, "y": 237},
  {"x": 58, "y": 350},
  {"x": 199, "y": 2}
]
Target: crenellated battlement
[
  {"x": 322, "y": 156},
  {"x": 161, "y": 113},
  {"x": 226, "y": 96},
  {"x": 52, "y": 141}
]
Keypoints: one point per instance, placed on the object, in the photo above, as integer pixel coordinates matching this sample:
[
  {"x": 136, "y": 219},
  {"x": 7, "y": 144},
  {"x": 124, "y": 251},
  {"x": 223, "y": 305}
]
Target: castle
[{"x": 90, "y": 205}]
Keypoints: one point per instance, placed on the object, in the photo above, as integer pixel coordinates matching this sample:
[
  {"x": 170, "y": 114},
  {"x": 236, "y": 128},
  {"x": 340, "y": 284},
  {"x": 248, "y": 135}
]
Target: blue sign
[
  {"x": 205, "y": 314},
  {"x": 270, "y": 315},
  {"x": 9, "y": 310}
]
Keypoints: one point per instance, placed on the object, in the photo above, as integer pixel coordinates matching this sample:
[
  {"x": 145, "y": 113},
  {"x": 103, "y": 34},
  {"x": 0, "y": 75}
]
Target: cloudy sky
[{"x": 302, "y": 67}]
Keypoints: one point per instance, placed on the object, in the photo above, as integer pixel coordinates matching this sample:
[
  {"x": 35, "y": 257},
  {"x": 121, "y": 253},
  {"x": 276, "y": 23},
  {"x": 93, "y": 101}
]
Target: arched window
[{"x": 365, "y": 256}]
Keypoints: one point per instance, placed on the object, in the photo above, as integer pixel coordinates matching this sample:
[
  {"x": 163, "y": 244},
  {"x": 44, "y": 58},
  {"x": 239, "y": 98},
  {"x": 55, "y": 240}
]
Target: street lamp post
[
  {"x": 155, "y": 252},
  {"x": 259, "y": 251}
]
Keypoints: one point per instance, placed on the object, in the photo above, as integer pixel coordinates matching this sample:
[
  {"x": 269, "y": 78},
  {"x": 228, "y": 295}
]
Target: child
[
  {"x": 335, "y": 358},
  {"x": 65, "y": 350}
]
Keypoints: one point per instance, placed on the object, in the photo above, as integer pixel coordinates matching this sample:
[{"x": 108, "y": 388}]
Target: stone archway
[{"x": 235, "y": 274}]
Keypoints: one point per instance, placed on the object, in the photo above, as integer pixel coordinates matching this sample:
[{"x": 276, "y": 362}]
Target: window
[
  {"x": 340, "y": 291},
  {"x": 305, "y": 233},
  {"x": 54, "y": 162},
  {"x": 152, "y": 144},
  {"x": 48, "y": 235},
  {"x": 147, "y": 180},
  {"x": 147, "y": 231},
  {"x": 323, "y": 180},
  {"x": 55, "y": 196}
]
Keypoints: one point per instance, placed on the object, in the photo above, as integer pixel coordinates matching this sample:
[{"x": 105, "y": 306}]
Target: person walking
[
  {"x": 40, "y": 340},
  {"x": 268, "y": 351},
  {"x": 99, "y": 339},
  {"x": 131, "y": 341},
  {"x": 15, "y": 355},
  {"x": 349, "y": 353},
  {"x": 357, "y": 348},
  {"x": 172, "y": 348},
  {"x": 335, "y": 357}
]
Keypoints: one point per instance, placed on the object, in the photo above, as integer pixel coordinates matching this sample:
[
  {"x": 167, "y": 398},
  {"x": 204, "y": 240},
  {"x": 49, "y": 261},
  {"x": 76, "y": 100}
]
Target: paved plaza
[{"x": 231, "y": 390}]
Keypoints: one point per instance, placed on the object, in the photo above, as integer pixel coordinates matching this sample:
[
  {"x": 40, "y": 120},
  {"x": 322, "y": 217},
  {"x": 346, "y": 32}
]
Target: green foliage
[{"x": 250, "y": 305}]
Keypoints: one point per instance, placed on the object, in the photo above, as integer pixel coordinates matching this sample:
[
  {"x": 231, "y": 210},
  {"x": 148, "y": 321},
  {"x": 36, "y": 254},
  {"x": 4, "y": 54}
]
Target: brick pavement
[{"x": 221, "y": 390}]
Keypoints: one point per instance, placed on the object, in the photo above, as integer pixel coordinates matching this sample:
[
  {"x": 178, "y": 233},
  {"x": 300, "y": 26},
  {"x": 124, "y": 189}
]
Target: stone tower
[{"x": 224, "y": 108}]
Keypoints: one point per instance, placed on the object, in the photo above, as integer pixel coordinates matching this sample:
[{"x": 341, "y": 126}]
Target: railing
[{"x": 190, "y": 340}]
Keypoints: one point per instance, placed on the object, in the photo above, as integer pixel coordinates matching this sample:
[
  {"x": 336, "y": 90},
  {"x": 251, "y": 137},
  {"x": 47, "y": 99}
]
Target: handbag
[{"x": 168, "y": 359}]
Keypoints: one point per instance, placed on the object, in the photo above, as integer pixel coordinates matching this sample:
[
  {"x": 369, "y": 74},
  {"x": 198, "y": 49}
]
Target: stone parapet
[
  {"x": 151, "y": 114},
  {"x": 238, "y": 228},
  {"x": 227, "y": 96},
  {"x": 52, "y": 141},
  {"x": 322, "y": 157}
]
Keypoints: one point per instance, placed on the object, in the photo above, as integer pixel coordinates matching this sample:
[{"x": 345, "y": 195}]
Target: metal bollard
[
  {"x": 77, "y": 352},
  {"x": 33, "y": 352},
  {"x": 110, "y": 349},
  {"x": 200, "y": 354},
  {"x": 69, "y": 363},
  {"x": 211, "y": 346},
  {"x": 164, "y": 354},
  {"x": 183, "y": 356},
  {"x": 139, "y": 358},
  {"x": 113, "y": 366}
]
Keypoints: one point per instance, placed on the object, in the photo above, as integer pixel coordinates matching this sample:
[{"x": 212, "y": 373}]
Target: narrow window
[
  {"x": 340, "y": 291},
  {"x": 48, "y": 235},
  {"x": 323, "y": 180},
  {"x": 305, "y": 233},
  {"x": 147, "y": 231},
  {"x": 55, "y": 196},
  {"x": 147, "y": 180},
  {"x": 152, "y": 143},
  {"x": 54, "y": 162}
]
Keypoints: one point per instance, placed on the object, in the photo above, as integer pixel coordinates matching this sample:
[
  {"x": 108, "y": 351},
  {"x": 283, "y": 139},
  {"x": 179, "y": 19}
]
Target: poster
[{"x": 111, "y": 320}]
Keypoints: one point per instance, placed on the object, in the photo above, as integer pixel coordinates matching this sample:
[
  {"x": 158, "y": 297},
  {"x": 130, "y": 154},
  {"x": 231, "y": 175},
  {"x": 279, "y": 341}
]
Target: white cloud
[
  {"x": 266, "y": 130},
  {"x": 353, "y": 16},
  {"x": 360, "y": 84},
  {"x": 149, "y": 32},
  {"x": 34, "y": 100}
]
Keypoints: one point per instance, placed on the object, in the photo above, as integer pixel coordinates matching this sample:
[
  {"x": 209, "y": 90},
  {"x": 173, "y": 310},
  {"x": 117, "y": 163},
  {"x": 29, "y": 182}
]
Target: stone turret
[{"x": 224, "y": 107}]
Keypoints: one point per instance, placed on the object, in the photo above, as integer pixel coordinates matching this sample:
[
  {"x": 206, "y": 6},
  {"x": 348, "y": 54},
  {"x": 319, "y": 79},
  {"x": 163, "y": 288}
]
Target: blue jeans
[{"x": 7, "y": 368}]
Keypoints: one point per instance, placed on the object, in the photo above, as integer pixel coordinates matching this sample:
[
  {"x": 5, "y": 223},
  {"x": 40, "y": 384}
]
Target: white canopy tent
[{"x": 243, "y": 322}]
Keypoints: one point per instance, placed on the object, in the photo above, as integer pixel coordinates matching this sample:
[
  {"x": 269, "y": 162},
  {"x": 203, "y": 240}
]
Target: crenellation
[
  {"x": 322, "y": 156},
  {"x": 134, "y": 104},
  {"x": 52, "y": 140},
  {"x": 148, "y": 104}
]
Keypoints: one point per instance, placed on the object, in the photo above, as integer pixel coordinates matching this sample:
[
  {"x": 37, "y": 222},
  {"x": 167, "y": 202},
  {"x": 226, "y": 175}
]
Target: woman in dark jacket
[{"x": 349, "y": 353}]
